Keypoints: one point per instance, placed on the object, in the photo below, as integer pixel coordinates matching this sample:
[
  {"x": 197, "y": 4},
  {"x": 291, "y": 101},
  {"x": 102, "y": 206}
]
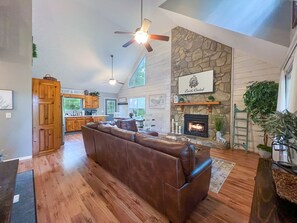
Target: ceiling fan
[
  {"x": 141, "y": 35},
  {"x": 113, "y": 81}
]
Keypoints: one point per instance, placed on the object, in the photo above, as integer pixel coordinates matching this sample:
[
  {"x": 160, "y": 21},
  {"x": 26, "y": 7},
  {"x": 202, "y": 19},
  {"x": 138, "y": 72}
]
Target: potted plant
[
  {"x": 219, "y": 122},
  {"x": 283, "y": 128},
  {"x": 260, "y": 100},
  {"x": 210, "y": 98}
]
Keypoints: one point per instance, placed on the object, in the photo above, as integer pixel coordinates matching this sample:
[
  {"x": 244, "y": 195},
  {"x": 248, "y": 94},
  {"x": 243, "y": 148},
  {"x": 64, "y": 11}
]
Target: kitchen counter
[{"x": 87, "y": 116}]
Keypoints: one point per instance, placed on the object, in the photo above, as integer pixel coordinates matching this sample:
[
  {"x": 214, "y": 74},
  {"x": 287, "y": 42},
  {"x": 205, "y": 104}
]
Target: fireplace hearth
[{"x": 196, "y": 125}]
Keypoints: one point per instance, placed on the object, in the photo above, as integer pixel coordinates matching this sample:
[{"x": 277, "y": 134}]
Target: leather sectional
[{"x": 169, "y": 175}]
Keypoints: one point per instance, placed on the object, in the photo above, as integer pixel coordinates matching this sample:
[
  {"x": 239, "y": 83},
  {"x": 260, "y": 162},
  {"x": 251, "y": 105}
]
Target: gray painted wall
[{"x": 15, "y": 74}]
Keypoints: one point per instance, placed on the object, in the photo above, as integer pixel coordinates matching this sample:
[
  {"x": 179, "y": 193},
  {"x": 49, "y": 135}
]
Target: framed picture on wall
[
  {"x": 6, "y": 99},
  {"x": 157, "y": 101},
  {"x": 294, "y": 14},
  {"x": 122, "y": 100}
]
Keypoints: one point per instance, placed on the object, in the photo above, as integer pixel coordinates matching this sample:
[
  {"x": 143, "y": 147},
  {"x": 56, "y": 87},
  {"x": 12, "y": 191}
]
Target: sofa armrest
[
  {"x": 147, "y": 132},
  {"x": 200, "y": 167}
]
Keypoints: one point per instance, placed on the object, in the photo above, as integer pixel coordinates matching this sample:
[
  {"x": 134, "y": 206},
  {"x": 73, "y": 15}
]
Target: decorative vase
[{"x": 218, "y": 136}]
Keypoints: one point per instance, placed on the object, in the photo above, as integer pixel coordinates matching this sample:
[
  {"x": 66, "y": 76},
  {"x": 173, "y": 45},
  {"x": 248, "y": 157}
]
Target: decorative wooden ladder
[{"x": 240, "y": 128}]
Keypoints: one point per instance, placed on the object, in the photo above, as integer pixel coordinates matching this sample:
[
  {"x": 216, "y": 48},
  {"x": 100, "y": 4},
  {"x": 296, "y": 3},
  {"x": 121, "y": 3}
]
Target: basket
[
  {"x": 49, "y": 77},
  {"x": 285, "y": 184}
]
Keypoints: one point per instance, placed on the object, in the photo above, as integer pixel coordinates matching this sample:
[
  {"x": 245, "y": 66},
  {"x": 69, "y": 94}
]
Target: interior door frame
[{"x": 116, "y": 104}]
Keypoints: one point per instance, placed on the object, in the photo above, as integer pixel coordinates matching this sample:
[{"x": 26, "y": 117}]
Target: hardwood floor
[{"x": 70, "y": 187}]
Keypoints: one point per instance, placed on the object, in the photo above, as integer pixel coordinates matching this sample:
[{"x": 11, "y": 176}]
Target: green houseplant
[
  {"x": 260, "y": 100},
  {"x": 283, "y": 128},
  {"x": 219, "y": 122},
  {"x": 210, "y": 98},
  {"x": 34, "y": 50},
  {"x": 282, "y": 125}
]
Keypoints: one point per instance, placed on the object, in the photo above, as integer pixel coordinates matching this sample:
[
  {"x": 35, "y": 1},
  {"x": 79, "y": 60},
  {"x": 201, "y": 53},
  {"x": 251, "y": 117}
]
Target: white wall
[
  {"x": 249, "y": 68},
  {"x": 158, "y": 79},
  {"x": 15, "y": 74}
]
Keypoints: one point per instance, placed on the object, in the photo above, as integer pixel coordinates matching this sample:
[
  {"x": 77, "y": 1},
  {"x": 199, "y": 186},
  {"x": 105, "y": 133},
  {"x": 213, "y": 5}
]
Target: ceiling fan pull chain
[{"x": 111, "y": 66}]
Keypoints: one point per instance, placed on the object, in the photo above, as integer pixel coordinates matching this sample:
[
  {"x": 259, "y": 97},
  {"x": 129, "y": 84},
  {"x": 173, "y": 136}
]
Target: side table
[{"x": 267, "y": 206}]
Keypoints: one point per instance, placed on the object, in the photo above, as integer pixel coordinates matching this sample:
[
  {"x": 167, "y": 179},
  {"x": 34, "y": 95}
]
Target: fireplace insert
[{"x": 196, "y": 125}]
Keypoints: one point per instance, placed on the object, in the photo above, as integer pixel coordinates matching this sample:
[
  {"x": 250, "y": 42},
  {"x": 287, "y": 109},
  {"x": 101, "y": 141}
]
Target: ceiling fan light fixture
[
  {"x": 141, "y": 37},
  {"x": 112, "y": 81}
]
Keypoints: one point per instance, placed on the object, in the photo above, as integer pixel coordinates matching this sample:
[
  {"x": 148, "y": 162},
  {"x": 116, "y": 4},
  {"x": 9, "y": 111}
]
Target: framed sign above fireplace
[{"x": 196, "y": 83}]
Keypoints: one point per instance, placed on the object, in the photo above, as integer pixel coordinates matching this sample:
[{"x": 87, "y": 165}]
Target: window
[
  {"x": 287, "y": 87},
  {"x": 138, "y": 77},
  {"x": 137, "y": 107},
  {"x": 72, "y": 104}
]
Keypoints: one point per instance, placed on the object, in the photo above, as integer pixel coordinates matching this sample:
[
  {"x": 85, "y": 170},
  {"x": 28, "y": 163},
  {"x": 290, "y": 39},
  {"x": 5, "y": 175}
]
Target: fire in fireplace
[{"x": 196, "y": 125}]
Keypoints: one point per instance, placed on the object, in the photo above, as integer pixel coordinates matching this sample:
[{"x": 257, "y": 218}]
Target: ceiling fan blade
[
  {"x": 129, "y": 42},
  {"x": 148, "y": 47},
  {"x": 145, "y": 25},
  {"x": 159, "y": 37},
  {"x": 120, "y": 32}
]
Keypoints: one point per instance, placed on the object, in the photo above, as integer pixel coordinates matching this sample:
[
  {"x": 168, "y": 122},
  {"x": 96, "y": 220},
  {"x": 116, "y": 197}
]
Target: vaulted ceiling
[{"x": 76, "y": 37}]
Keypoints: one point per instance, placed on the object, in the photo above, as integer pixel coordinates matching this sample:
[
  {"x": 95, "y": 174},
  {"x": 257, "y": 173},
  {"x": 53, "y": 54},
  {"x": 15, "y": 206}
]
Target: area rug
[
  {"x": 219, "y": 173},
  {"x": 24, "y": 210}
]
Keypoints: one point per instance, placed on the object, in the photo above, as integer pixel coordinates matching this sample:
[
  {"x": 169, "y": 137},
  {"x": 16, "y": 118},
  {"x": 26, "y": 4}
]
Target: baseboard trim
[{"x": 20, "y": 158}]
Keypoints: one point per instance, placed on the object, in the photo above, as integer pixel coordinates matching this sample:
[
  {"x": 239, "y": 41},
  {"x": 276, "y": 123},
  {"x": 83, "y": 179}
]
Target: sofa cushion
[
  {"x": 104, "y": 128},
  {"x": 148, "y": 132},
  {"x": 182, "y": 150},
  {"x": 127, "y": 124},
  {"x": 122, "y": 133},
  {"x": 92, "y": 125}
]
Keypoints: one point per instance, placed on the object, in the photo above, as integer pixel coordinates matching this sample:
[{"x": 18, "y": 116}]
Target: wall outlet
[
  {"x": 16, "y": 198},
  {"x": 8, "y": 115}
]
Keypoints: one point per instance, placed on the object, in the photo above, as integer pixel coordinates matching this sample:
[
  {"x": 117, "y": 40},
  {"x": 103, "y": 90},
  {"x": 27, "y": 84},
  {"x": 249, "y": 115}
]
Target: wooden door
[{"x": 46, "y": 116}]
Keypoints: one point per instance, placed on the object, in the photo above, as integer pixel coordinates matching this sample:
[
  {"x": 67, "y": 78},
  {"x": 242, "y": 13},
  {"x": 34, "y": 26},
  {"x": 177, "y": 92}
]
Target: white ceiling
[{"x": 76, "y": 37}]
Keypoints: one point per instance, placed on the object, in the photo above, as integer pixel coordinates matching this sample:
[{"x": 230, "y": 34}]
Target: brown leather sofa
[
  {"x": 130, "y": 124},
  {"x": 167, "y": 174}
]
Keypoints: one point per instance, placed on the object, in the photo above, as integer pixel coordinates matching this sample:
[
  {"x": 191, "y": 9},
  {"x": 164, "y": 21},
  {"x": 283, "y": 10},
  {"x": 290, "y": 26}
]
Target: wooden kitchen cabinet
[
  {"x": 98, "y": 118},
  {"x": 79, "y": 122},
  {"x": 75, "y": 123},
  {"x": 88, "y": 119},
  {"x": 91, "y": 101},
  {"x": 70, "y": 124},
  {"x": 47, "y": 126},
  {"x": 95, "y": 102}
]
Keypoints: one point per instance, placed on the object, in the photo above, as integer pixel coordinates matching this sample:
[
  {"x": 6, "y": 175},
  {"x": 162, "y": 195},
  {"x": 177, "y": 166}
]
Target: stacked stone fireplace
[{"x": 192, "y": 53}]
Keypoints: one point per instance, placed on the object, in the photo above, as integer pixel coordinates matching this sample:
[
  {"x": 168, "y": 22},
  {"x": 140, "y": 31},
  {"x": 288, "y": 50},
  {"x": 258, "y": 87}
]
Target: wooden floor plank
[{"x": 70, "y": 187}]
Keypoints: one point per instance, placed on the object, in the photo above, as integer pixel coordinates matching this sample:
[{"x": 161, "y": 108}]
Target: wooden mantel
[{"x": 206, "y": 103}]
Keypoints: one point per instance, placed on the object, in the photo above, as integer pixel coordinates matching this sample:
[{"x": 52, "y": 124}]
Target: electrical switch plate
[
  {"x": 16, "y": 198},
  {"x": 8, "y": 115}
]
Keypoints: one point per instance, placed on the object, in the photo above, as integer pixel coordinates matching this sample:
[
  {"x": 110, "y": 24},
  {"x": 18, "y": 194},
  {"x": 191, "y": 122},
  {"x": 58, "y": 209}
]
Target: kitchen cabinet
[
  {"x": 75, "y": 123},
  {"x": 88, "y": 119},
  {"x": 79, "y": 122},
  {"x": 47, "y": 126},
  {"x": 98, "y": 118},
  {"x": 91, "y": 101},
  {"x": 70, "y": 124}
]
